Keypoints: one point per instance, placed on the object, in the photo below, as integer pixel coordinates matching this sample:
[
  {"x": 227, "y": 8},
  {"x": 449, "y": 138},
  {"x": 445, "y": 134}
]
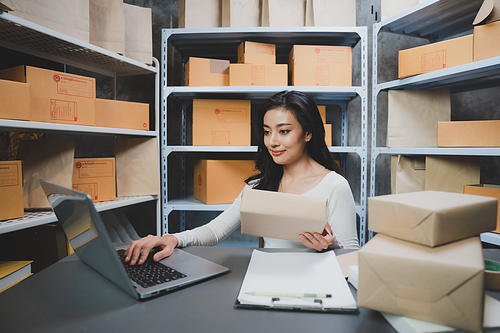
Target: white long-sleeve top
[{"x": 341, "y": 216}]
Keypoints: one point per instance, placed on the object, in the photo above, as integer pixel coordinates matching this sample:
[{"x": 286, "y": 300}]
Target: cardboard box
[
  {"x": 70, "y": 17},
  {"x": 431, "y": 218},
  {"x": 206, "y": 72},
  {"x": 407, "y": 174},
  {"x": 324, "y": 13},
  {"x": 199, "y": 14},
  {"x": 256, "y": 53},
  {"x": 311, "y": 65},
  {"x": 242, "y": 13},
  {"x": 219, "y": 122},
  {"x": 451, "y": 173},
  {"x": 436, "y": 56},
  {"x": 121, "y": 114},
  {"x": 283, "y": 13},
  {"x": 328, "y": 134},
  {"x": 281, "y": 215},
  {"x": 16, "y": 101},
  {"x": 486, "y": 190},
  {"x": 220, "y": 181},
  {"x": 96, "y": 177},
  {"x": 442, "y": 285},
  {"x": 487, "y": 41},
  {"x": 11, "y": 190},
  {"x": 489, "y": 12},
  {"x": 469, "y": 133},
  {"x": 57, "y": 97},
  {"x": 258, "y": 75},
  {"x": 413, "y": 115}
]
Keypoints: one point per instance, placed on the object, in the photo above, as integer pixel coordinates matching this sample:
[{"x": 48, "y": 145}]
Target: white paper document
[{"x": 296, "y": 280}]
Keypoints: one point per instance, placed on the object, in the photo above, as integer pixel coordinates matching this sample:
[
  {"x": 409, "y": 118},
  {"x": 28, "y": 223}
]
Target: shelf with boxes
[
  {"x": 215, "y": 44},
  {"x": 435, "y": 77},
  {"x": 20, "y": 36}
]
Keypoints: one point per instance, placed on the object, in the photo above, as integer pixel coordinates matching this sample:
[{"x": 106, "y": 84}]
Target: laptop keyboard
[{"x": 150, "y": 273}]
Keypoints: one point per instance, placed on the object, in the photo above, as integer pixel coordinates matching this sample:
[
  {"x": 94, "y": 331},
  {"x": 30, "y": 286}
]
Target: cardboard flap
[{"x": 484, "y": 12}]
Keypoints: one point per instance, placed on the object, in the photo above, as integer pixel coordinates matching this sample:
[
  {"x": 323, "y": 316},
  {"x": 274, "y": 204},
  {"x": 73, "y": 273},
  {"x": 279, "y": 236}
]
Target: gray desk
[{"x": 69, "y": 296}]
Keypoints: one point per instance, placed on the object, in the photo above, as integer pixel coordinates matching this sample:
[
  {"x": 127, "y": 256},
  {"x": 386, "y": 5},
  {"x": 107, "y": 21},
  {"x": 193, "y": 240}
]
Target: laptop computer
[{"x": 88, "y": 236}]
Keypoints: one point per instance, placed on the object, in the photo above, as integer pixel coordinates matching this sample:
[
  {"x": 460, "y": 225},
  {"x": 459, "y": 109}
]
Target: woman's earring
[{"x": 307, "y": 140}]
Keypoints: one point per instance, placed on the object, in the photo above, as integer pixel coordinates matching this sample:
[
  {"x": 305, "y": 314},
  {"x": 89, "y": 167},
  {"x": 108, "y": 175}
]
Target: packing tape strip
[{"x": 492, "y": 274}]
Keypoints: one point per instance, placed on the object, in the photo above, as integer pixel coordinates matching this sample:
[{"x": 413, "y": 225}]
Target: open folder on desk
[{"x": 296, "y": 281}]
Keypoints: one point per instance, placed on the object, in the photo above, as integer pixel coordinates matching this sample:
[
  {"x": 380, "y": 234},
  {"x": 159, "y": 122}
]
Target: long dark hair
[{"x": 306, "y": 111}]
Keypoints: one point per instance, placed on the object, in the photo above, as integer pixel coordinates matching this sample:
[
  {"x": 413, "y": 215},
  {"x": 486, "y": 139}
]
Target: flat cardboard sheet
[
  {"x": 407, "y": 173},
  {"x": 431, "y": 218},
  {"x": 281, "y": 215},
  {"x": 107, "y": 24},
  {"x": 241, "y": 13},
  {"x": 451, "y": 173},
  {"x": 324, "y": 13},
  {"x": 138, "y": 33},
  {"x": 442, "y": 285},
  {"x": 283, "y": 13},
  {"x": 199, "y": 14}
]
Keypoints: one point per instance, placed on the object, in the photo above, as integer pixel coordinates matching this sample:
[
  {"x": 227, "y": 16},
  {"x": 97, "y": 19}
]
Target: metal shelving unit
[
  {"x": 23, "y": 36},
  {"x": 222, "y": 43},
  {"x": 433, "y": 20}
]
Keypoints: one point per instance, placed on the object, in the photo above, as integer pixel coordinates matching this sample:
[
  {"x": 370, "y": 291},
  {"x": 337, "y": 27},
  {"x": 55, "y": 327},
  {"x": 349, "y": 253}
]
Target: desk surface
[{"x": 69, "y": 296}]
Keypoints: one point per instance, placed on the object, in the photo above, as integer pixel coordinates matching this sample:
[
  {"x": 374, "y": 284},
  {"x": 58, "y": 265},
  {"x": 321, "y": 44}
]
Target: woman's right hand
[{"x": 138, "y": 251}]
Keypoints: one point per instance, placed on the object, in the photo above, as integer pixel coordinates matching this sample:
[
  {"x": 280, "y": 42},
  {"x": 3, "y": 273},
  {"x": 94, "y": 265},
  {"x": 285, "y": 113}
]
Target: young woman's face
[{"x": 284, "y": 137}]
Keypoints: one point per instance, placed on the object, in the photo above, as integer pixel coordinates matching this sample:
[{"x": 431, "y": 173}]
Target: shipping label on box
[
  {"x": 431, "y": 218},
  {"x": 16, "y": 100},
  {"x": 57, "y": 97},
  {"x": 221, "y": 122},
  {"x": 486, "y": 190},
  {"x": 206, "y": 72},
  {"x": 442, "y": 285},
  {"x": 220, "y": 181},
  {"x": 258, "y": 75},
  {"x": 487, "y": 41},
  {"x": 11, "y": 190},
  {"x": 436, "y": 56},
  {"x": 121, "y": 114},
  {"x": 256, "y": 53},
  {"x": 320, "y": 65},
  {"x": 96, "y": 177},
  {"x": 484, "y": 133}
]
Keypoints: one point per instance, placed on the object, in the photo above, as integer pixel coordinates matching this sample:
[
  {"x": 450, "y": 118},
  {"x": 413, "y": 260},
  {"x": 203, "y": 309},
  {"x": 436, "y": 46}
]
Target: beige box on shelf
[
  {"x": 407, "y": 174},
  {"x": 486, "y": 190},
  {"x": 485, "y": 133},
  {"x": 258, "y": 75},
  {"x": 241, "y": 13},
  {"x": 70, "y": 17},
  {"x": 283, "y": 13},
  {"x": 121, "y": 114},
  {"x": 413, "y": 115},
  {"x": 199, "y": 14},
  {"x": 16, "y": 101},
  {"x": 96, "y": 177},
  {"x": 436, "y": 56},
  {"x": 281, "y": 215},
  {"x": 57, "y": 97},
  {"x": 11, "y": 190},
  {"x": 256, "y": 53},
  {"x": 442, "y": 285},
  {"x": 487, "y": 41},
  {"x": 324, "y": 13},
  {"x": 431, "y": 218},
  {"x": 220, "y": 181},
  {"x": 311, "y": 65},
  {"x": 218, "y": 122},
  {"x": 206, "y": 72},
  {"x": 451, "y": 173}
]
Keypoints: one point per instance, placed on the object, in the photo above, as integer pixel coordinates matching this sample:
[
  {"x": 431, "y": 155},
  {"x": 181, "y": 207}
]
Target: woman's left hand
[{"x": 318, "y": 241}]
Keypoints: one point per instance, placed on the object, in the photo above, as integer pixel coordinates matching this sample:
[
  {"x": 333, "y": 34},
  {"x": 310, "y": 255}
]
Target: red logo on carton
[
  {"x": 56, "y": 78},
  {"x": 144, "y": 125},
  {"x": 317, "y": 50},
  {"x": 78, "y": 165},
  {"x": 217, "y": 111}
]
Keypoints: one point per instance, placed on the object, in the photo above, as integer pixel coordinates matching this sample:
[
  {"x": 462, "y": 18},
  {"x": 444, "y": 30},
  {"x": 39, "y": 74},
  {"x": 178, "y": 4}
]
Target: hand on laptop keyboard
[{"x": 139, "y": 250}]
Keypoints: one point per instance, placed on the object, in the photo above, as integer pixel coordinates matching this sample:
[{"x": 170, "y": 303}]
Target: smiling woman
[{"x": 292, "y": 157}]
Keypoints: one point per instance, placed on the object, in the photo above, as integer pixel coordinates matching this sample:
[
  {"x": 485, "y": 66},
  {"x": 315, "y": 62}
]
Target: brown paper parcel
[
  {"x": 443, "y": 285},
  {"x": 51, "y": 160},
  {"x": 137, "y": 167},
  {"x": 281, "y": 215},
  {"x": 431, "y": 218}
]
